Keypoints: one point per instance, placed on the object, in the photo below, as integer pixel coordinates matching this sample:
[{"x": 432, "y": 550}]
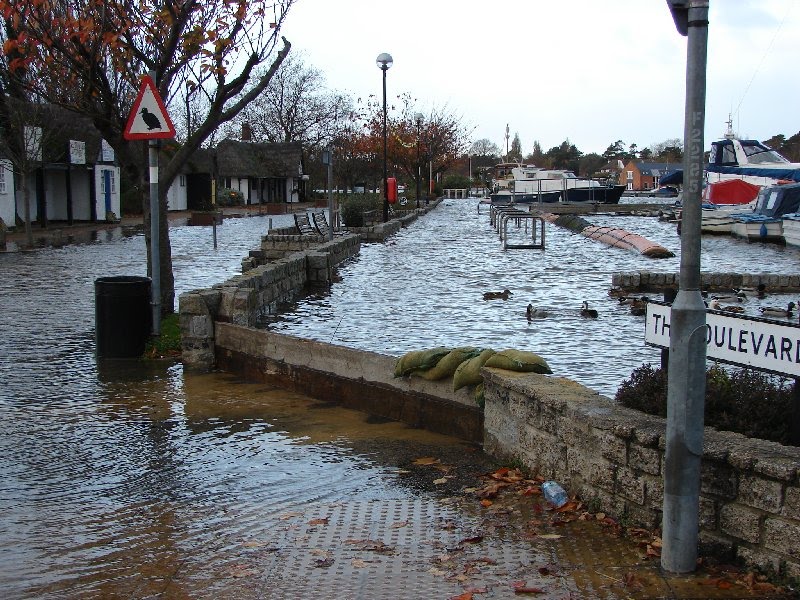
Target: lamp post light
[
  {"x": 384, "y": 61},
  {"x": 418, "y": 120}
]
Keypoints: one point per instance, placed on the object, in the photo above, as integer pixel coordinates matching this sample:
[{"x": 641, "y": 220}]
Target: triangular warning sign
[{"x": 148, "y": 119}]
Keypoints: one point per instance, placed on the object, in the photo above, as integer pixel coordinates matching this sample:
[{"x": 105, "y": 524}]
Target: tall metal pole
[
  {"x": 687, "y": 351},
  {"x": 155, "y": 237},
  {"x": 384, "y": 68},
  {"x": 331, "y": 215}
]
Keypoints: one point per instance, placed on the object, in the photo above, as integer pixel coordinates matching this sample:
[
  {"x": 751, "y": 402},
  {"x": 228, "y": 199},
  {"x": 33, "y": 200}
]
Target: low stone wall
[
  {"x": 259, "y": 291},
  {"x": 750, "y": 492},
  {"x": 652, "y": 282},
  {"x": 353, "y": 378}
]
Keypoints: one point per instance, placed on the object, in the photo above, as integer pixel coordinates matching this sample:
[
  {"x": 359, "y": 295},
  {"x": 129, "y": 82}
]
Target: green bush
[
  {"x": 744, "y": 401},
  {"x": 229, "y": 197},
  {"x": 353, "y": 207}
]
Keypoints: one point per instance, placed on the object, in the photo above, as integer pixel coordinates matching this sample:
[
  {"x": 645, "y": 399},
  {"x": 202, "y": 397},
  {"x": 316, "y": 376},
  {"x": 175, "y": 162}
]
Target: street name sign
[{"x": 746, "y": 341}]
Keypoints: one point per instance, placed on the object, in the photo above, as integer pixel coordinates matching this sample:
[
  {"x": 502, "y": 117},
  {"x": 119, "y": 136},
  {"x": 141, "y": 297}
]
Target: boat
[
  {"x": 755, "y": 227},
  {"x": 791, "y": 229},
  {"x": 517, "y": 183},
  {"x": 724, "y": 199},
  {"x": 748, "y": 160}
]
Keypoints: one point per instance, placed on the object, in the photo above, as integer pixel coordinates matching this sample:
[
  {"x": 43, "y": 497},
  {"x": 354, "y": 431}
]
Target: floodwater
[
  {"x": 118, "y": 477},
  {"x": 425, "y": 286}
]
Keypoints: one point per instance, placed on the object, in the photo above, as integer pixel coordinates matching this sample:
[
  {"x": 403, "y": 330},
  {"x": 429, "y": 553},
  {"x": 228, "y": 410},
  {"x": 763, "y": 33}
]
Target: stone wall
[
  {"x": 652, "y": 282},
  {"x": 603, "y": 452},
  {"x": 259, "y": 291}
]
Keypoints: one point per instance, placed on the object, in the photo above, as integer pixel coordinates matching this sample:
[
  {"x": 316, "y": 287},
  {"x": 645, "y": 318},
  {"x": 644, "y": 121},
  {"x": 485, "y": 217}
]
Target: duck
[
  {"x": 760, "y": 290},
  {"x": 639, "y": 306},
  {"x": 737, "y": 296},
  {"x": 715, "y": 305},
  {"x": 535, "y": 313},
  {"x": 497, "y": 295},
  {"x": 771, "y": 311},
  {"x": 588, "y": 312}
]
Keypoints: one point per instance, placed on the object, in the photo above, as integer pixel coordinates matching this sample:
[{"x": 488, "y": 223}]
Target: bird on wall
[{"x": 150, "y": 119}]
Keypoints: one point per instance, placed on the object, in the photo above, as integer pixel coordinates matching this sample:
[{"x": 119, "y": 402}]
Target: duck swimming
[
  {"x": 770, "y": 311},
  {"x": 639, "y": 306},
  {"x": 497, "y": 295},
  {"x": 715, "y": 305},
  {"x": 535, "y": 313},
  {"x": 588, "y": 312},
  {"x": 737, "y": 296}
]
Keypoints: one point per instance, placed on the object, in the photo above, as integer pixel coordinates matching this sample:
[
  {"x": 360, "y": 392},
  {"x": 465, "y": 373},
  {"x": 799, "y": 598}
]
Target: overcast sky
[{"x": 591, "y": 71}]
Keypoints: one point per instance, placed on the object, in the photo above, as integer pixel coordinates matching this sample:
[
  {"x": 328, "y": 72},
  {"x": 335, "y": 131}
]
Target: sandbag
[
  {"x": 518, "y": 360},
  {"x": 448, "y": 364},
  {"x": 469, "y": 371},
  {"x": 419, "y": 360}
]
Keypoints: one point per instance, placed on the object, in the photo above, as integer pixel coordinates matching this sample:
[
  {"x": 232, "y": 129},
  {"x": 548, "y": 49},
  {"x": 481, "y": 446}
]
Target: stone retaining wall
[
  {"x": 652, "y": 282},
  {"x": 603, "y": 452},
  {"x": 259, "y": 291}
]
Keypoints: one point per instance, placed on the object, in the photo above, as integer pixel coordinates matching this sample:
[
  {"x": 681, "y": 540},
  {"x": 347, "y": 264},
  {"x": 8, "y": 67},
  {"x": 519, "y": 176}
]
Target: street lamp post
[
  {"x": 384, "y": 61},
  {"x": 418, "y": 120}
]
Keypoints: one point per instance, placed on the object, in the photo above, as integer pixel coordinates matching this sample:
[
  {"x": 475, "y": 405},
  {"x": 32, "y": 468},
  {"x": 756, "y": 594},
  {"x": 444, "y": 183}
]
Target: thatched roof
[
  {"x": 59, "y": 126},
  {"x": 247, "y": 159}
]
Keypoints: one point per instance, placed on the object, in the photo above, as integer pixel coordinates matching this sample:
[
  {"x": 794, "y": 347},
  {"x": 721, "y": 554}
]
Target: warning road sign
[{"x": 148, "y": 119}]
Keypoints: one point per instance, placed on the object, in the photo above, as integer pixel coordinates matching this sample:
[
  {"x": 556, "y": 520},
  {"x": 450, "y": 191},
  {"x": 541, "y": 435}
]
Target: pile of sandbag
[{"x": 464, "y": 365}]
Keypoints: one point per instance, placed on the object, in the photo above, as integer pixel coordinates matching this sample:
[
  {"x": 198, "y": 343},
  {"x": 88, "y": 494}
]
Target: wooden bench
[
  {"x": 321, "y": 223},
  {"x": 303, "y": 224}
]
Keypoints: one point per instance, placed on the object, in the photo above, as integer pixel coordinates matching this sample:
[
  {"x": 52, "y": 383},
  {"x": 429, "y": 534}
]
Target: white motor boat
[{"x": 514, "y": 182}]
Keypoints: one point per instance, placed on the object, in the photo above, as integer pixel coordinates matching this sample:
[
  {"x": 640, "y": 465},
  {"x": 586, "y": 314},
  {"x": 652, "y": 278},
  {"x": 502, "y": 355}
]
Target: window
[
  {"x": 182, "y": 180},
  {"x": 630, "y": 175},
  {"x": 2, "y": 179}
]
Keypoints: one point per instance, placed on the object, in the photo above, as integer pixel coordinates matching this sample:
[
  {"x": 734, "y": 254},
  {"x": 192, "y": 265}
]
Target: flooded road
[{"x": 121, "y": 478}]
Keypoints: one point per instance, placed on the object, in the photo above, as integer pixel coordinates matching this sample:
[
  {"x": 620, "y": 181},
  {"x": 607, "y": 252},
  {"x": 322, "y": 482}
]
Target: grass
[{"x": 168, "y": 344}]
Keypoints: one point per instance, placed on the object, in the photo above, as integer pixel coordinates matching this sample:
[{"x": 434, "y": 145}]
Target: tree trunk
[{"x": 26, "y": 202}]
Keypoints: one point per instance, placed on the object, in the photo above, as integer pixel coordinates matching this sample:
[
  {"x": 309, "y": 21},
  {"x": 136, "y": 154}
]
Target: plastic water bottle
[{"x": 554, "y": 494}]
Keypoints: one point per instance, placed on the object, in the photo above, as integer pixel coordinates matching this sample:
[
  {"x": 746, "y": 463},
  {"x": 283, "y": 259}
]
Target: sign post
[
  {"x": 686, "y": 380},
  {"x": 149, "y": 121}
]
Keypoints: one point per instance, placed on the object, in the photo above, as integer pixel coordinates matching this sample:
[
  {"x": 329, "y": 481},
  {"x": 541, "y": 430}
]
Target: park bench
[{"x": 303, "y": 224}]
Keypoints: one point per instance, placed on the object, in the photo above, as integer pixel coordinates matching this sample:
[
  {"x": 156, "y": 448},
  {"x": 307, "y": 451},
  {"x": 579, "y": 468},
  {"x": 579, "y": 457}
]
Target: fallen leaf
[
  {"x": 440, "y": 481},
  {"x": 532, "y": 491},
  {"x": 520, "y": 587},
  {"x": 290, "y": 515},
  {"x": 318, "y": 521},
  {"x": 600, "y": 516},
  {"x": 551, "y": 536},
  {"x": 358, "y": 563},
  {"x": 464, "y": 596},
  {"x": 399, "y": 524},
  {"x": 437, "y": 572},
  {"x": 475, "y": 539},
  {"x": 426, "y": 461},
  {"x": 486, "y": 503},
  {"x": 323, "y": 563}
]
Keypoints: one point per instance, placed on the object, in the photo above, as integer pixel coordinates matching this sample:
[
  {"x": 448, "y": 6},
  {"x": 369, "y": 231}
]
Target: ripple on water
[{"x": 425, "y": 289}]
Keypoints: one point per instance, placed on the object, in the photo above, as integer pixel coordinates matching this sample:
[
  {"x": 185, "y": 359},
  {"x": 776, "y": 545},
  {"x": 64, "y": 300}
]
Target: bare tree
[{"x": 88, "y": 56}]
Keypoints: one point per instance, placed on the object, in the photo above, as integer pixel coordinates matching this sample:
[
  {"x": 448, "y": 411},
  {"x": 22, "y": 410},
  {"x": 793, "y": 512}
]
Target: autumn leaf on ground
[
  {"x": 426, "y": 461},
  {"x": 440, "y": 481},
  {"x": 486, "y": 503},
  {"x": 520, "y": 587},
  {"x": 290, "y": 515},
  {"x": 464, "y": 596},
  {"x": 398, "y": 524},
  {"x": 532, "y": 491},
  {"x": 551, "y": 536},
  {"x": 323, "y": 521},
  {"x": 323, "y": 563}
]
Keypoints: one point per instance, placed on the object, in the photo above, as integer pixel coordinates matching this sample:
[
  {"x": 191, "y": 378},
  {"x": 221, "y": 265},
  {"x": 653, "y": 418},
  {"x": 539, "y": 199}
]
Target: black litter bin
[{"x": 123, "y": 316}]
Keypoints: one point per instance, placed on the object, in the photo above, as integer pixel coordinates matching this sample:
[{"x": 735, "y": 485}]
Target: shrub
[
  {"x": 354, "y": 206},
  {"x": 743, "y": 401},
  {"x": 229, "y": 197}
]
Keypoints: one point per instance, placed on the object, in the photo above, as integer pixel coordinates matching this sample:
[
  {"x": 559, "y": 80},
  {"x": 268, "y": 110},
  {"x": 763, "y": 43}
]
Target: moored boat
[
  {"x": 791, "y": 229},
  {"x": 521, "y": 183},
  {"x": 755, "y": 227}
]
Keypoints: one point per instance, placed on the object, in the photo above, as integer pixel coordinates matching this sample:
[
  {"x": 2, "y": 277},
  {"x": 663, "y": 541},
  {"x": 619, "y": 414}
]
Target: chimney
[{"x": 247, "y": 132}]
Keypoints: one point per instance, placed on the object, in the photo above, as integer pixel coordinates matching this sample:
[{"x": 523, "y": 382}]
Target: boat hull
[
  {"x": 525, "y": 197},
  {"x": 601, "y": 195},
  {"x": 762, "y": 230},
  {"x": 791, "y": 231}
]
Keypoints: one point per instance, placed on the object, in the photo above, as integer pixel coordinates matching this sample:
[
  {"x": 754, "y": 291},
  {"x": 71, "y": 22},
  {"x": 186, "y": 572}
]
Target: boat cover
[
  {"x": 778, "y": 200},
  {"x": 788, "y": 174},
  {"x": 672, "y": 178},
  {"x": 731, "y": 191}
]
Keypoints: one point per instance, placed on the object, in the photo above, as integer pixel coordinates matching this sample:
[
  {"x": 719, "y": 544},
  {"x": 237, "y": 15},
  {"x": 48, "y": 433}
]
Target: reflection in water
[{"x": 118, "y": 477}]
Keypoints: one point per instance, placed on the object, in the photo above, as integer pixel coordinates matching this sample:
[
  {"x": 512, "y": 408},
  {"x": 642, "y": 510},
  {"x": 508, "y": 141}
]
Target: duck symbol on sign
[{"x": 150, "y": 120}]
